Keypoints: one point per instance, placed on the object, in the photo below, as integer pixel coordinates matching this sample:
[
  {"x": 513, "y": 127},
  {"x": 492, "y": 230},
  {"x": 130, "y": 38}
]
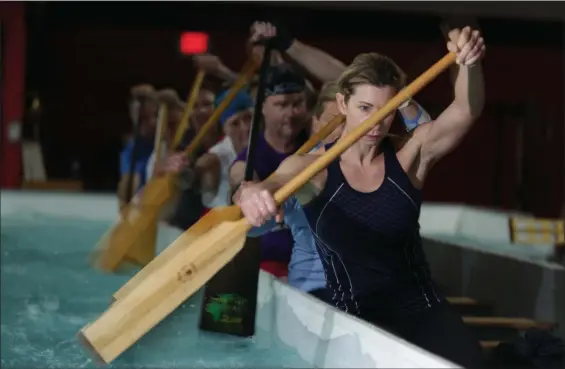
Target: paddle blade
[
  {"x": 213, "y": 218},
  {"x": 158, "y": 191},
  {"x": 129, "y": 318},
  {"x": 110, "y": 252},
  {"x": 230, "y": 297},
  {"x": 143, "y": 251}
]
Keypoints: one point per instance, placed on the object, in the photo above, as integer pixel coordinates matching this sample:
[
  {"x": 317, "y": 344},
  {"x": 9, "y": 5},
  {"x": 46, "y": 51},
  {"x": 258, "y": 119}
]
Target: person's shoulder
[
  {"x": 128, "y": 145},
  {"x": 220, "y": 147}
]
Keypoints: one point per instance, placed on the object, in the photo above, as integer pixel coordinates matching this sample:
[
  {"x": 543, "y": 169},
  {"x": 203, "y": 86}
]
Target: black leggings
[
  {"x": 323, "y": 294},
  {"x": 441, "y": 331}
]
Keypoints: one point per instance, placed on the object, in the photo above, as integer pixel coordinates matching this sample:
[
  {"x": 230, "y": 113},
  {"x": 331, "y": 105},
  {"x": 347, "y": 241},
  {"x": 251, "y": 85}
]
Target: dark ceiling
[{"x": 343, "y": 18}]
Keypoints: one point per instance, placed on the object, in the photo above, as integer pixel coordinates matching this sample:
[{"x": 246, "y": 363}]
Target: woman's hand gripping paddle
[
  {"x": 129, "y": 318},
  {"x": 214, "y": 217},
  {"x": 110, "y": 251}
]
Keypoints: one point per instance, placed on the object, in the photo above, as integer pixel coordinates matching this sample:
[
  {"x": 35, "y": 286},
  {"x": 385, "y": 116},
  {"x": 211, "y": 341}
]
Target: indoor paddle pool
[{"x": 50, "y": 292}]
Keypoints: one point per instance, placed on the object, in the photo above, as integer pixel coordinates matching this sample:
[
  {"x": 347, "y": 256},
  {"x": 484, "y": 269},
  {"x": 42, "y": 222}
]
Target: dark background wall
[{"x": 83, "y": 57}]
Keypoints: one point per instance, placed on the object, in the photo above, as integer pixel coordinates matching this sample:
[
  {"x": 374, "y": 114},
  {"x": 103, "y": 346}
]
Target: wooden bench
[
  {"x": 505, "y": 322},
  {"x": 469, "y": 307},
  {"x": 491, "y": 330},
  {"x": 537, "y": 231}
]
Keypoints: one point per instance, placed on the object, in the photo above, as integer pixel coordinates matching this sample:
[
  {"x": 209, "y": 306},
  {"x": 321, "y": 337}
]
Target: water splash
[{"x": 49, "y": 293}]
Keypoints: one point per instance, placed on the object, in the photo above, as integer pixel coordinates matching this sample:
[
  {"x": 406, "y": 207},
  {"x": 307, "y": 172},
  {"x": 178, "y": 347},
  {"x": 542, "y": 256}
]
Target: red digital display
[{"x": 193, "y": 43}]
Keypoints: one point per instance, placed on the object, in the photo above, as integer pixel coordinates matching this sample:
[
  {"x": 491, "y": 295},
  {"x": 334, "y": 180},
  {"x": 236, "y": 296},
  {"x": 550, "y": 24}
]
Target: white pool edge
[{"x": 437, "y": 219}]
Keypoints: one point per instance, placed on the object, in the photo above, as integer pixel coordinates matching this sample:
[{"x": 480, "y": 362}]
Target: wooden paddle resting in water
[
  {"x": 129, "y": 318},
  {"x": 109, "y": 253}
]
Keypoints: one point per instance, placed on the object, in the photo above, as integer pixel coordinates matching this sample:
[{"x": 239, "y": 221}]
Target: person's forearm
[
  {"x": 226, "y": 74},
  {"x": 276, "y": 58},
  {"x": 318, "y": 63},
  {"x": 208, "y": 177},
  {"x": 237, "y": 173},
  {"x": 470, "y": 90},
  {"x": 455, "y": 121}
]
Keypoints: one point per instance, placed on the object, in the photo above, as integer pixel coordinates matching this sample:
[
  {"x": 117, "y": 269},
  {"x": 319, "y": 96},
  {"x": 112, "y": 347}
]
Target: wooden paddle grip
[
  {"x": 347, "y": 141},
  {"x": 192, "y": 98}
]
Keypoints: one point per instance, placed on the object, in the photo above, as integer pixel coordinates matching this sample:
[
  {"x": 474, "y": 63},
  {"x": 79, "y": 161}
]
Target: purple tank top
[{"x": 275, "y": 245}]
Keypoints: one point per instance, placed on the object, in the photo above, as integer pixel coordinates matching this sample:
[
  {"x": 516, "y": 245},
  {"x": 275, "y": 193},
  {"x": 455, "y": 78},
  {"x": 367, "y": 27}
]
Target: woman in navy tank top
[{"x": 363, "y": 209}]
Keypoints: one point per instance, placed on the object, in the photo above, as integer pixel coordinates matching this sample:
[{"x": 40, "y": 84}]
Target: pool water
[{"x": 49, "y": 293}]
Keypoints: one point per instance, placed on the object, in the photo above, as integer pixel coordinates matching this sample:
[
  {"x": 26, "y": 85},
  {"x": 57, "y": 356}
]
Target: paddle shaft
[
  {"x": 243, "y": 78},
  {"x": 348, "y": 140},
  {"x": 134, "y": 149},
  {"x": 321, "y": 135},
  {"x": 161, "y": 128},
  {"x": 192, "y": 98},
  {"x": 257, "y": 115}
]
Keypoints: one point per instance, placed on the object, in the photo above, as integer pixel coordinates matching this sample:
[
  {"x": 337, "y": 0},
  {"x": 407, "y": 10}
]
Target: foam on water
[{"x": 49, "y": 293}]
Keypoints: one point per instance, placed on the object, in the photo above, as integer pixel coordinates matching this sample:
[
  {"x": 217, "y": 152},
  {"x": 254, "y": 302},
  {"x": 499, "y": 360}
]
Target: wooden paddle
[
  {"x": 238, "y": 280},
  {"x": 109, "y": 253},
  {"x": 107, "y": 244},
  {"x": 213, "y": 218},
  {"x": 129, "y": 318},
  {"x": 143, "y": 251}
]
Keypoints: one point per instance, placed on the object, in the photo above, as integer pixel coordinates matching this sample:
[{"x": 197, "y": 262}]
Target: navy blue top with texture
[{"x": 370, "y": 244}]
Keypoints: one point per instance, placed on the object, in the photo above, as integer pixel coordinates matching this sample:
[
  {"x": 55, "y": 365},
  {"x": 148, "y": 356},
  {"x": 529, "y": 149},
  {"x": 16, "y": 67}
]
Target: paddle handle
[
  {"x": 135, "y": 148},
  {"x": 192, "y": 98},
  {"x": 251, "y": 158},
  {"x": 321, "y": 135},
  {"x": 160, "y": 134},
  {"x": 347, "y": 141},
  {"x": 246, "y": 74}
]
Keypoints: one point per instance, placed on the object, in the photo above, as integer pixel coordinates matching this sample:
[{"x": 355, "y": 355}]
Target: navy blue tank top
[{"x": 370, "y": 244}]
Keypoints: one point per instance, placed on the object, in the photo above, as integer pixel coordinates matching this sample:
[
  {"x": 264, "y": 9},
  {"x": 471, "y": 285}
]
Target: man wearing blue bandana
[{"x": 285, "y": 119}]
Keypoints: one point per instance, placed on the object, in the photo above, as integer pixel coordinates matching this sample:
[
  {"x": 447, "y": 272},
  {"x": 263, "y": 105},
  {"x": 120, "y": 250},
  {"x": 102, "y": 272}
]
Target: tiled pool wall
[{"x": 323, "y": 336}]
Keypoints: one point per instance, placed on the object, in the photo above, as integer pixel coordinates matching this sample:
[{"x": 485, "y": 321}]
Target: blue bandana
[{"x": 242, "y": 101}]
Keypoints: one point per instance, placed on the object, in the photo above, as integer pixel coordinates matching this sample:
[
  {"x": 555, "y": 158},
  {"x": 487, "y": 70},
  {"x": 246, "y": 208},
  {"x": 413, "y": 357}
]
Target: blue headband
[{"x": 242, "y": 101}]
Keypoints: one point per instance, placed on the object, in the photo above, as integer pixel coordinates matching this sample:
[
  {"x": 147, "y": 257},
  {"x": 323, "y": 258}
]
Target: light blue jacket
[{"x": 305, "y": 270}]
